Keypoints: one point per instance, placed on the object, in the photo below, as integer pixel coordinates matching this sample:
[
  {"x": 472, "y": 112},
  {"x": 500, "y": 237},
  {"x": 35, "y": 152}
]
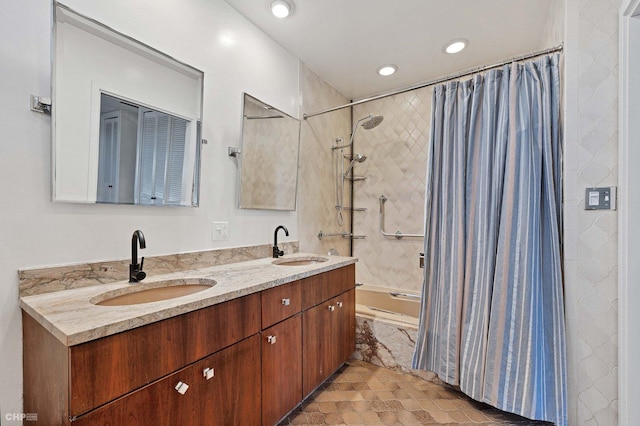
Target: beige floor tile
[
  {"x": 385, "y": 395},
  {"x": 411, "y": 405},
  {"x": 333, "y": 419},
  {"x": 363, "y": 394},
  {"x": 370, "y": 418},
  {"x": 446, "y": 404},
  {"x": 388, "y": 418},
  {"x": 327, "y": 407},
  {"x": 441, "y": 416}
]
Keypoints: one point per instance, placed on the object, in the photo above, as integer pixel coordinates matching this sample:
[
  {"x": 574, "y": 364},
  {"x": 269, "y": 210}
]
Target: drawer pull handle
[
  {"x": 286, "y": 302},
  {"x": 332, "y": 308},
  {"x": 182, "y": 388},
  {"x": 271, "y": 340},
  {"x": 339, "y": 304},
  {"x": 208, "y": 373}
]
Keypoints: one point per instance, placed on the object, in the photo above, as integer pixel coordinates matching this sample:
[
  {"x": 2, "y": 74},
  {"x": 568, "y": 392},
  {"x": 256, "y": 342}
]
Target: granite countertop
[{"x": 71, "y": 317}]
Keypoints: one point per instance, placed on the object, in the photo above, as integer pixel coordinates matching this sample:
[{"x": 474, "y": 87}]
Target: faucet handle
[
  {"x": 142, "y": 263},
  {"x": 139, "y": 275}
]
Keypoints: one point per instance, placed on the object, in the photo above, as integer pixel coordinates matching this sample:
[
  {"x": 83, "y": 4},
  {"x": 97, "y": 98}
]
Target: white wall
[{"x": 208, "y": 34}]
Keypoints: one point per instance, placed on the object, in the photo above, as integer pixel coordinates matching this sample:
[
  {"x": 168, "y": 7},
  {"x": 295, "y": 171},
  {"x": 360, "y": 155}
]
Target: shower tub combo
[{"x": 386, "y": 328}]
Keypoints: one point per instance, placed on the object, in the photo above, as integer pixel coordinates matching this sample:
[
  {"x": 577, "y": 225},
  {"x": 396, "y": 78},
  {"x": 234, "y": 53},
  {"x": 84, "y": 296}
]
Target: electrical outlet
[{"x": 220, "y": 231}]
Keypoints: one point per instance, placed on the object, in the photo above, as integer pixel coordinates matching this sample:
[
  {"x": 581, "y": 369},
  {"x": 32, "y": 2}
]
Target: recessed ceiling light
[
  {"x": 280, "y": 8},
  {"x": 388, "y": 69},
  {"x": 455, "y": 46}
]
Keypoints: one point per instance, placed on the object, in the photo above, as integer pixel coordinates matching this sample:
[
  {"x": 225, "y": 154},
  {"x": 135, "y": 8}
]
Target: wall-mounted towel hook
[{"x": 41, "y": 104}]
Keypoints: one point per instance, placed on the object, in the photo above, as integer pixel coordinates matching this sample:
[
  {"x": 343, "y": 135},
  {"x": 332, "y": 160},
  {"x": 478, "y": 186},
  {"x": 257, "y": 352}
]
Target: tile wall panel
[
  {"x": 396, "y": 167},
  {"x": 590, "y": 237},
  {"x": 316, "y": 196}
]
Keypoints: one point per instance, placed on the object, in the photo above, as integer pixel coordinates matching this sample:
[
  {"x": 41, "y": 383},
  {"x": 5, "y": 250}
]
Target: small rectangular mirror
[
  {"x": 268, "y": 166},
  {"x": 126, "y": 118}
]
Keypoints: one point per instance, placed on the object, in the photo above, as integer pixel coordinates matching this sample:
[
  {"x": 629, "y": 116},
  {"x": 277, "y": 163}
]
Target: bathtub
[
  {"x": 398, "y": 306},
  {"x": 386, "y": 328}
]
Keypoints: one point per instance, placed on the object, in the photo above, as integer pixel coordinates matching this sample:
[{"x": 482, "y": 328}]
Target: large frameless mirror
[
  {"x": 269, "y": 160},
  {"x": 126, "y": 118}
]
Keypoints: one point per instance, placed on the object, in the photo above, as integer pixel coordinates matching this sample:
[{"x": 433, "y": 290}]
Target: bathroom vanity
[{"x": 245, "y": 351}]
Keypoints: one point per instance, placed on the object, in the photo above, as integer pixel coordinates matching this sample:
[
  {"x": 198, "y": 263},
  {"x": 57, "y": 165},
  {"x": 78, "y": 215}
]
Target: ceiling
[{"x": 345, "y": 41}]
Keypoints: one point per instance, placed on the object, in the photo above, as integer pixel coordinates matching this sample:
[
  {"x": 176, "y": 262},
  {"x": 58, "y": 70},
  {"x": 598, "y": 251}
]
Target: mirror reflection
[
  {"x": 144, "y": 155},
  {"x": 269, "y": 160},
  {"x": 126, "y": 118}
]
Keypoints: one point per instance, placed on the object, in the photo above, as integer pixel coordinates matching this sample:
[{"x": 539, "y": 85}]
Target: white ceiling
[{"x": 345, "y": 41}]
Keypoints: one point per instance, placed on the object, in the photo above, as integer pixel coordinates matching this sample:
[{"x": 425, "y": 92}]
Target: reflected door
[{"x": 108, "y": 170}]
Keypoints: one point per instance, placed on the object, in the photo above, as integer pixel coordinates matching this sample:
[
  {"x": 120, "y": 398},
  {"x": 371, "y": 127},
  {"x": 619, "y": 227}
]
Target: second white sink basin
[
  {"x": 162, "y": 290},
  {"x": 299, "y": 261}
]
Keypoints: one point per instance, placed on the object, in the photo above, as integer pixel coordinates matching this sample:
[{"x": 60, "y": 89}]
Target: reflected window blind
[{"x": 162, "y": 158}]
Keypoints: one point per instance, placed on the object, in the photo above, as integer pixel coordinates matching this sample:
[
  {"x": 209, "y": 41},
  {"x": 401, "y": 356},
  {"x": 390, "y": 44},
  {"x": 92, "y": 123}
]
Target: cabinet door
[
  {"x": 232, "y": 395},
  {"x": 345, "y": 326},
  {"x": 317, "y": 351},
  {"x": 281, "y": 369},
  {"x": 328, "y": 339}
]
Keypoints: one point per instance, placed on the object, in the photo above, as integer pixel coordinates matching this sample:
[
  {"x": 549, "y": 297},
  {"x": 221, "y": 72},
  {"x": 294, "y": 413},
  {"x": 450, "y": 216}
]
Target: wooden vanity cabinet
[
  {"x": 92, "y": 374},
  {"x": 267, "y": 350}
]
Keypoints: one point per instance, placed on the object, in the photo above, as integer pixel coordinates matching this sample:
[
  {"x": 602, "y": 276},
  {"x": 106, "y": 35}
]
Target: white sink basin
[
  {"x": 299, "y": 261},
  {"x": 153, "y": 292}
]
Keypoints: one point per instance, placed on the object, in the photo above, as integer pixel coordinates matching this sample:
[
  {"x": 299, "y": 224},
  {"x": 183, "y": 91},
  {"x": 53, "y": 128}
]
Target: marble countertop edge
[{"x": 73, "y": 319}]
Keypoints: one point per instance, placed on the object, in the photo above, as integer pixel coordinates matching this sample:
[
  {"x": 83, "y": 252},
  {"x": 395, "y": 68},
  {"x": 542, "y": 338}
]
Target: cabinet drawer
[
  {"x": 228, "y": 397},
  {"x": 104, "y": 369},
  {"x": 322, "y": 287},
  {"x": 280, "y": 303}
]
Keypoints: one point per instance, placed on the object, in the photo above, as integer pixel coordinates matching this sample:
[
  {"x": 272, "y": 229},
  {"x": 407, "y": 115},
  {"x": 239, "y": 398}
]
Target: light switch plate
[
  {"x": 603, "y": 198},
  {"x": 220, "y": 231}
]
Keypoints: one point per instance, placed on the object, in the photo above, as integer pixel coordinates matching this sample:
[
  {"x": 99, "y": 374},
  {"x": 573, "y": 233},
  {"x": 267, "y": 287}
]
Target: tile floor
[{"x": 360, "y": 393}]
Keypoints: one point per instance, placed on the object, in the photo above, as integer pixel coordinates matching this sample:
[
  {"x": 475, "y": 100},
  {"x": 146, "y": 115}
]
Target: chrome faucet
[
  {"x": 135, "y": 269},
  {"x": 277, "y": 252}
]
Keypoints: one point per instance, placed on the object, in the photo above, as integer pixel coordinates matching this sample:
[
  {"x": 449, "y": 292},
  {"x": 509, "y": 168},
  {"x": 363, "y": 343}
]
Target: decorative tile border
[{"x": 46, "y": 280}]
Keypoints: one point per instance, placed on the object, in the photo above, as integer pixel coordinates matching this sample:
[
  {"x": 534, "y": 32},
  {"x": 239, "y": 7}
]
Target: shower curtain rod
[{"x": 440, "y": 80}]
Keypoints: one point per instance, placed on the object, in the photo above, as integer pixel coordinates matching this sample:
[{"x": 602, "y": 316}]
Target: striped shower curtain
[{"x": 492, "y": 314}]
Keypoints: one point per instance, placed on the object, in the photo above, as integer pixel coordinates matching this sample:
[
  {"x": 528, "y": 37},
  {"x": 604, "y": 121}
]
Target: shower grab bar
[
  {"x": 322, "y": 235},
  {"x": 407, "y": 295},
  {"x": 398, "y": 234},
  {"x": 355, "y": 209}
]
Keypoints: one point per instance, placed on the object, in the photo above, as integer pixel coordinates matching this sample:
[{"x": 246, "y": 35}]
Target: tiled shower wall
[
  {"x": 316, "y": 196},
  {"x": 396, "y": 167},
  {"x": 590, "y": 237}
]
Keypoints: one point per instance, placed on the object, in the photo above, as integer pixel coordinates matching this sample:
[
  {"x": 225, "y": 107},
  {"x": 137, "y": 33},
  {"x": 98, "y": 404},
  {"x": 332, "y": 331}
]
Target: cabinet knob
[
  {"x": 286, "y": 302},
  {"x": 332, "y": 308},
  {"x": 339, "y": 304},
  {"x": 271, "y": 340},
  {"x": 182, "y": 388},
  {"x": 208, "y": 373}
]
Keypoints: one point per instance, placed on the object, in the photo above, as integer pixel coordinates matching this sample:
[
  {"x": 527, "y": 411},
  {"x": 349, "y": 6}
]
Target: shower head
[
  {"x": 368, "y": 122},
  {"x": 373, "y": 121},
  {"x": 356, "y": 158}
]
